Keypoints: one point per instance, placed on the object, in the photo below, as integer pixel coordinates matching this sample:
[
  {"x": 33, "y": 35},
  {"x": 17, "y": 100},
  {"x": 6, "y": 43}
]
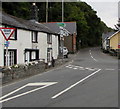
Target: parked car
[{"x": 65, "y": 51}]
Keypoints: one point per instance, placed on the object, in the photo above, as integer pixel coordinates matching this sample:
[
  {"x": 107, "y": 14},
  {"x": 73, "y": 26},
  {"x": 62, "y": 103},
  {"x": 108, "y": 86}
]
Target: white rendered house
[{"x": 31, "y": 41}]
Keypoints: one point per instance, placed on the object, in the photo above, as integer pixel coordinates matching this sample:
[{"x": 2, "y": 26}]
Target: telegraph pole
[
  {"x": 62, "y": 10},
  {"x": 46, "y": 11}
]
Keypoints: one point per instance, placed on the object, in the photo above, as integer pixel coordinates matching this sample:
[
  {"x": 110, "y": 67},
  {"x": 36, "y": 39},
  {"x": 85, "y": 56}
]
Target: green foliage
[
  {"x": 18, "y": 9},
  {"x": 89, "y": 25}
]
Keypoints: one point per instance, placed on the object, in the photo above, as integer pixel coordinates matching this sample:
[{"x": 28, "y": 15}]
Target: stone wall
[{"x": 23, "y": 71}]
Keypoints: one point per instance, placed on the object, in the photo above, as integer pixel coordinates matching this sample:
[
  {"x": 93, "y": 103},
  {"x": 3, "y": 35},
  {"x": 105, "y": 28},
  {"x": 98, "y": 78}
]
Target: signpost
[
  {"x": 7, "y": 33},
  {"x": 61, "y": 26}
]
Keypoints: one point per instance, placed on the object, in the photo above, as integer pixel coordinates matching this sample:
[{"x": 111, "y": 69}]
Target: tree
[
  {"x": 18, "y": 9},
  {"x": 89, "y": 25}
]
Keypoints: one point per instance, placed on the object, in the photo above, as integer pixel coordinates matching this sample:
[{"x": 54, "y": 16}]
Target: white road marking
[
  {"x": 41, "y": 83},
  {"x": 46, "y": 84},
  {"x": 90, "y": 69},
  {"x": 62, "y": 92},
  {"x": 13, "y": 92},
  {"x": 109, "y": 69},
  {"x": 80, "y": 68},
  {"x": 75, "y": 68},
  {"x": 92, "y": 56},
  {"x": 67, "y": 66}
]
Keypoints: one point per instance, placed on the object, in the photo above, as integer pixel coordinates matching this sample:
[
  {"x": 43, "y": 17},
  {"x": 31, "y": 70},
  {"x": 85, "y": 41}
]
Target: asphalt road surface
[{"x": 89, "y": 80}]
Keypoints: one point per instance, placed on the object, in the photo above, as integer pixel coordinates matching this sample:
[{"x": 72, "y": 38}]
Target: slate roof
[
  {"x": 10, "y": 20},
  {"x": 107, "y": 35},
  {"x": 114, "y": 34},
  {"x": 70, "y": 27}
]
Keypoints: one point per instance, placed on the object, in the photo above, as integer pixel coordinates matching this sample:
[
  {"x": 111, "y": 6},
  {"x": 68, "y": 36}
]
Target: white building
[
  {"x": 105, "y": 41},
  {"x": 31, "y": 41}
]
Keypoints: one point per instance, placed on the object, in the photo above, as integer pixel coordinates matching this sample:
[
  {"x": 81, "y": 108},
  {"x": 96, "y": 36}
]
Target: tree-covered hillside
[{"x": 89, "y": 25}]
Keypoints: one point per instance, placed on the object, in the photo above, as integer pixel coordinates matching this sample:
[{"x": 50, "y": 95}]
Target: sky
[{"x": 107, "y": 10}]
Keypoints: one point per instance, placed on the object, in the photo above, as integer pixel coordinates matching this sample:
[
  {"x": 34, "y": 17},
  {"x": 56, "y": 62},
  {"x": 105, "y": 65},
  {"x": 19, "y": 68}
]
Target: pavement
[{"x": 90, "y": 79}]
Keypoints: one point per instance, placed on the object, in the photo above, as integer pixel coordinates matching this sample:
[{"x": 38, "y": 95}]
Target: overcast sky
[{"x": 107, "y": 10}]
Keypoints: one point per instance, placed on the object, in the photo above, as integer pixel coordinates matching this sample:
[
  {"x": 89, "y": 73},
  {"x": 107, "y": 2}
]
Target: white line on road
[
  {"x": 78, "y": 67},
  {"x": 46, "y": 84},
  {"x": 13, "y": 92},
  {"x": 62, "y": 92},
  {"x": 92, "y": 56},
  {"x": 22, "y": 94},
  {"x": 90, "y": 69},
  {"x": 81, "y": 69},
  {"x": 75, "y": 68},
  {"x": 109, "y": 69}
]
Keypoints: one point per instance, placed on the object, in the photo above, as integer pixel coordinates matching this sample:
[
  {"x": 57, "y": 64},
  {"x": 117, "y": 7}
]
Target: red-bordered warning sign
[{"x": 7, "y": 32}]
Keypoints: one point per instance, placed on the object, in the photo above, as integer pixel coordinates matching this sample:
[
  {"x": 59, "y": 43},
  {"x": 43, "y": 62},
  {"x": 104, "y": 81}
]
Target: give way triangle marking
[
  {"x": 43, "y": 84},
  {"x": 7, "y": 32}
]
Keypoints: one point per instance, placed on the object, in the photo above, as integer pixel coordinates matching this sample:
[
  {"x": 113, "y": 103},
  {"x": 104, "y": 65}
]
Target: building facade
[
  {"x": 31, "y": 41},
  {"x": 69, "y": 32},
  {"x": 115, "y": 41},
  {"x": 105, "y": 41}
]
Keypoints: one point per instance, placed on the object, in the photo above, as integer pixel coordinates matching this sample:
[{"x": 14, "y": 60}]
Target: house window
[
  {"x": 11, "y": 57},
  {"x": 27, "y": 56},
  {"x": 49, "y": 38},
  {"x": 34, "y": 37},
  {"x": 31, "y": 55},
  {"x": 14, "y": 35},
  {"x": 49, "y": 54}
]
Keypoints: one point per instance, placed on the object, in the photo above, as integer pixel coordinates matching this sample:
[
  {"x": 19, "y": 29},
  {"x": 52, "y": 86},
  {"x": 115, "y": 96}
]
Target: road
[{"x": 89, "y": 80}]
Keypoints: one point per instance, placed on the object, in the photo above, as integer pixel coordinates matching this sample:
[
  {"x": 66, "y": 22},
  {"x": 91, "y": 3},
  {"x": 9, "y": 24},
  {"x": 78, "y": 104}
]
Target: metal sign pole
[
  {"x": 62, "y": 46},
  {"x": 6, "y": 56}
]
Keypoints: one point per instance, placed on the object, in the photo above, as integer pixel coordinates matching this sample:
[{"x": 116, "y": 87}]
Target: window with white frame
[
  {"x": 11, "y": 58},
  {"x": 27, "y": 56},
  {"x": 34, "y": 36},
  {"x": 49, "y": 38},
  {"x": 49, "y": 54},
  {"x": 31, "y": 55}
]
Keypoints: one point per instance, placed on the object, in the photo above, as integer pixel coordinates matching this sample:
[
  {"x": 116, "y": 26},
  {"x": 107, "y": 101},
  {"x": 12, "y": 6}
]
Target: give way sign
[{"x": 7, "y": 32}]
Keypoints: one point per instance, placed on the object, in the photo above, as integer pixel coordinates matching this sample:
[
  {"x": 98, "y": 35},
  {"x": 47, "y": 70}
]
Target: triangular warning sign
[{"x": 7, "y": 32}]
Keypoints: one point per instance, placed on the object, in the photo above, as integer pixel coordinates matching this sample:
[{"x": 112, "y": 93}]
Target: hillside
[{"x": 89, "y": 25}]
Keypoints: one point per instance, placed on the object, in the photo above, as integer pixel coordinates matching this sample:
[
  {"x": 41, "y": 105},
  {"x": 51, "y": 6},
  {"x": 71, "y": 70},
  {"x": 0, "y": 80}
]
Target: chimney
[{"x": 34, "y": 12}]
